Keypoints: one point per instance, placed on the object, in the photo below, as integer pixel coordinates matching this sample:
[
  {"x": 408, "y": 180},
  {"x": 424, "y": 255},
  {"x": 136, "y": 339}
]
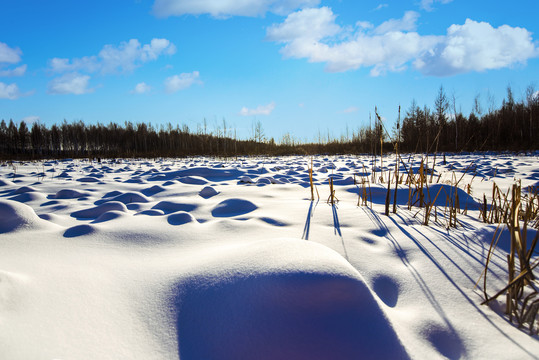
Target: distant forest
[{"x": 513, "y": 127}]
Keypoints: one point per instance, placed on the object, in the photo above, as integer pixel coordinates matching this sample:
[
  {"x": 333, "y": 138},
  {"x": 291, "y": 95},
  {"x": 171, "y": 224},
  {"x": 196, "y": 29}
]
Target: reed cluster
[{"x": 518, "y": 214}]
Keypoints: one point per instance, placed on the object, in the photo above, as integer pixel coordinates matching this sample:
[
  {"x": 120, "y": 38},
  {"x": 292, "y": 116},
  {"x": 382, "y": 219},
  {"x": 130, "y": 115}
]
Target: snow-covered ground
[{"x": 229, "y": 259}]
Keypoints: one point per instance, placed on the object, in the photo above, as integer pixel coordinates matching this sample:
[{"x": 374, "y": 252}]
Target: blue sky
[{"x": 306, "y": 67}]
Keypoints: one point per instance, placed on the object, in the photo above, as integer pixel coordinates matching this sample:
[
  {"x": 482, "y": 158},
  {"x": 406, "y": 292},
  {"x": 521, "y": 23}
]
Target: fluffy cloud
[
  {"x": 10, "y": 91},
  {"x": 260, "y": 110},
  {"x": 227, "y": 8},
  {"x": 313, "y": 34},
  {"x": 111, "y": 59},
  {"x": 9, "y": 55},
  {"x": 71, "y": 83},
  {"x": 477, "y": 46},
  {"x": 141, "y": 88},
  {"x": 382, "y": 51},
  {"x": 309, "y": 25},
  {"x": 182, "y": 81}
]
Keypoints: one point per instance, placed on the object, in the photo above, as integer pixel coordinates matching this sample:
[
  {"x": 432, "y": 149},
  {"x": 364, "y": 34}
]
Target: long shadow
[
  {"x": 337, "y": 227},
  {"x": 424, "y": 286},
  {"x": 310, "y": 214},
  {"x": 414, "y": 272},
  {"x": 467, "y": 250}
]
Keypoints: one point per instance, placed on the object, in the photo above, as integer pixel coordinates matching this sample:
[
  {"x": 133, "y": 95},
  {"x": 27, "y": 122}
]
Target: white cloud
[
  {"x": 111, "y": 59},
  {"x": 260, "y": 110},
  {"x": 380, "y": 7},
  {"x": 10, "y": 91},
  {"x": 71, "y": 83},
  {"x": 427, "y": 4},
  {"x": 182, "y": 81},
  {"x": 351, "y": 109},
  {"x": 9, "y": 55},
  {"x": 312, "y": 34},
  {"x": 30, "y": 119},
  {"x": 141, "y": 88},
  {"x": 477, "y": 46},
  {"x": 87, "y": 63},
  {"x": 407, "y": 23},
  {"x": 227, "y": 8},
  {"x": 18, "y": 71},
  {"x": 307, "y": 26},
  {"x": 388, "y": 51}
]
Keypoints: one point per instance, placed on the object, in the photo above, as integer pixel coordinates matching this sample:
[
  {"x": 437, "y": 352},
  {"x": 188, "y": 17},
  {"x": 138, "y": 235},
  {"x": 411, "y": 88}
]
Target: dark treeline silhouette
[{"x": 514, "y": 126}]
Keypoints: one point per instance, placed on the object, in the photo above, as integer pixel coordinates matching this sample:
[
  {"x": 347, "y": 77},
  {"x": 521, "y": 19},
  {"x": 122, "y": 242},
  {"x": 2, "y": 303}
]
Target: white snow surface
[{"x": 209, "y": 259}]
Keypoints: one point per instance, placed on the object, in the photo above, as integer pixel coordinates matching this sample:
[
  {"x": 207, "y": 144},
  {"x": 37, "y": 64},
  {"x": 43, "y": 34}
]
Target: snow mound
[
  {"x": 88, "y": 179},
  {"x": 69, "y": 194},
  {"x": 171, "y": 206},
  {"x": 79, "y": 230},
  {"x": 258, "y": 304},
  {"x": 97, "y": 211},
  {"x": 23, "y": 189},
  {"x": 5, "y": 183},
  {"x": 28, "y": 196},
  {"x": 152, "y": 190},
  {"x": 180, "y": 218},
  {"x": 193, "y": 180},
  {"x": 246, "y": 180},
  {"x": 151, "y": 212},
  {"x": 109, "y": 215},
  {"x": 15, "y": 215},
  {"x": 233, "y": 207},
  {"x": 445, "y": 192},
  {"x": 130, "y": 197},
  {"x": 208, "y": 192}
]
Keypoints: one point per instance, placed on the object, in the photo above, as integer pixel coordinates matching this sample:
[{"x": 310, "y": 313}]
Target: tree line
[{"x": 514, "y": 126}]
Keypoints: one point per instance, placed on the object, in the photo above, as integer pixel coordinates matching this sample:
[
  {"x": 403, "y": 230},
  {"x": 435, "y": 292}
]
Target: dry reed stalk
[
  {"x": 311, "y": 180},
  {"x": 332, "y": 198},
  {"x": 396, "y": 168},
  {"x": 388, "y": 198},
  {"x": 421, "y": 179},
  {"x": 429, "y": 205}
]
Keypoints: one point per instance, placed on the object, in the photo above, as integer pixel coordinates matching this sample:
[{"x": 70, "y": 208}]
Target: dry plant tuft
[{"x": 522, "y": 289}]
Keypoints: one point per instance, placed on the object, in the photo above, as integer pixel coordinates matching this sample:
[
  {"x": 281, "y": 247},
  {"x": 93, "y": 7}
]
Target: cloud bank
[
  {"x": 394, "y": 45},
  {"x": 125, "y": 57}
]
